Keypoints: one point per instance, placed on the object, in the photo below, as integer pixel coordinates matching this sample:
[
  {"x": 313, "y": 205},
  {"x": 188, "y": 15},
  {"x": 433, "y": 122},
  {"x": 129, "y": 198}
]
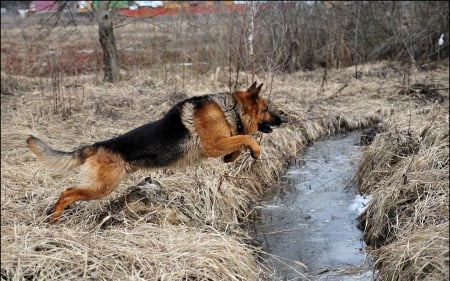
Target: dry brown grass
[
  {"x": 406, "y": 169},
  {"x": 191, "y": 224},
  {"x": 139, "y": 252}
]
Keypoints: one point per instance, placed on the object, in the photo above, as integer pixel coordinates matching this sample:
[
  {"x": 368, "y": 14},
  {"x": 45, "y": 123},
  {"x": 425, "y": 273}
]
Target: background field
[{"x": 194, "y": 223}]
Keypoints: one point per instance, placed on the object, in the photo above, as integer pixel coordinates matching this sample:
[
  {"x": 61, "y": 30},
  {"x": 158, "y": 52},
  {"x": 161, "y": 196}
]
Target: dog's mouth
[{"x": 265, "y": 126}]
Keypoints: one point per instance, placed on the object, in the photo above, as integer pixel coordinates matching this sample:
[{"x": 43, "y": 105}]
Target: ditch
[{"x": 308, "y": 225}]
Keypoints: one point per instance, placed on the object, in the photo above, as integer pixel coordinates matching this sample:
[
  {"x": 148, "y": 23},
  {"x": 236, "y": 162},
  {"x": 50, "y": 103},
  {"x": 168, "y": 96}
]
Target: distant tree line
[
  {"x": 323, "y": 33},
  {"x": 278, "y": 36}
]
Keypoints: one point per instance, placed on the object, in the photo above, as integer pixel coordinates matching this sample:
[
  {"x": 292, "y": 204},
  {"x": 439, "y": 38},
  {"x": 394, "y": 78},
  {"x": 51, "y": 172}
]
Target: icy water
[{"x": 308, "y": 226}]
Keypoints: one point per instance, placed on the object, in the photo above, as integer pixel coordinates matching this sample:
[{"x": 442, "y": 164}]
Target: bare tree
[
  {"x": 104, "y": 16},
  {"x": 108, "y": 42}
]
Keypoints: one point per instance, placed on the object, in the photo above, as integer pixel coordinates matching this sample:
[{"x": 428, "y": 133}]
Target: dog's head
[{"x": 256, "y": 115}]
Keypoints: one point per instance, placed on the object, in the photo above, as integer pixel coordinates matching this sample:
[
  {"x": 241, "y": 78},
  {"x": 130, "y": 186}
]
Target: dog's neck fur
[
  {"x": 232, "y": 112},
  {"x": 237, "y": 115}
]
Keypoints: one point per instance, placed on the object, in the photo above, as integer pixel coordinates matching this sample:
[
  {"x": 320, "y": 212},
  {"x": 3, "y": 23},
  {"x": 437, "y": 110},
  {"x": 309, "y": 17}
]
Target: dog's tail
[{"x": 59, "y": 159}]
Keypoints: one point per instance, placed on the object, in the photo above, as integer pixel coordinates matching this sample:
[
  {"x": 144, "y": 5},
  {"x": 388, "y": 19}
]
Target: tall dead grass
[
  {"x": 139, "y": 252},
  {"x": 406, "y": 171}
]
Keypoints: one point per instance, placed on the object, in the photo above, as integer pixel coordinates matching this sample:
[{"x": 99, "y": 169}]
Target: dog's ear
[
  {"x": 254, "y": 93},
  {"x": 252, "y": 87}
]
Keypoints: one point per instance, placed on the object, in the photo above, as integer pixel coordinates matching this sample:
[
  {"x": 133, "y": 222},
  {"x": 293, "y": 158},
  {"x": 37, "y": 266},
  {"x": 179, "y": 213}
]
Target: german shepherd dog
[{"x": 215, "y": 125}]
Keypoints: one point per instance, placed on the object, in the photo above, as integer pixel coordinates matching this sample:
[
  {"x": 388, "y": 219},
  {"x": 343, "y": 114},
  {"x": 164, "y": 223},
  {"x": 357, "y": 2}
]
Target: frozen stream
[{"x": 311, "y": 218}]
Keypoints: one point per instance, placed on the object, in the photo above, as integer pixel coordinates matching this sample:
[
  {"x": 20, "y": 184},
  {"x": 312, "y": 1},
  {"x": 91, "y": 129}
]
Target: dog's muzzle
[{"x": 265, "y": 126}]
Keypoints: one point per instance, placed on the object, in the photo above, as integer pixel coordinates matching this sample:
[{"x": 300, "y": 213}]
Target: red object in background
[
  {"x": 43, "y": 6},
  {"x": 191, "y": 9}
]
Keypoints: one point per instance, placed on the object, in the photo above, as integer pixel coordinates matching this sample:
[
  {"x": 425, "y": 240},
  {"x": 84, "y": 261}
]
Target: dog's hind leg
[
  {"x": 72, "y": 195},
  {"x": 103, "y": 171}
]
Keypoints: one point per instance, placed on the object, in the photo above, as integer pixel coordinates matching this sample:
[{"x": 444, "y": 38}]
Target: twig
[{"x": 338, "y": 91}]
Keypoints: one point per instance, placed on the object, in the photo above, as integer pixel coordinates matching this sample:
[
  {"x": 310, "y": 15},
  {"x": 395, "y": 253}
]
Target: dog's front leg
[{"x": 232, "y": 145}]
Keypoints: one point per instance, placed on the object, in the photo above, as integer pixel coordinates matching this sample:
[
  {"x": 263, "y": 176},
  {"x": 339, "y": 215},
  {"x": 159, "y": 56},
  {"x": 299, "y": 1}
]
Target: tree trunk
[{"x": 108, "y": 43}]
